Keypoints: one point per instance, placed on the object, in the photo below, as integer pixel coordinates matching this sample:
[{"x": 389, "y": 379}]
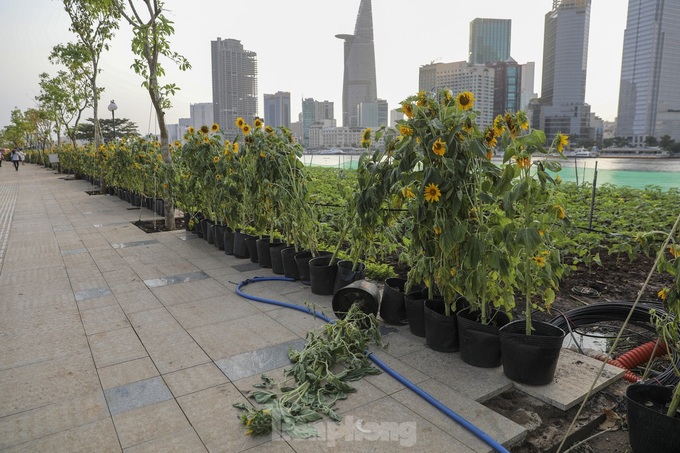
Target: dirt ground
[{"x": 601, "y": 425}]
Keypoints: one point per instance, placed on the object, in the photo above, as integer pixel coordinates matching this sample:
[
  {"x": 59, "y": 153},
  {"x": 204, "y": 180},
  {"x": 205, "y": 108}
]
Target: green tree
[
  {"x": 94, "y": 24},
  {"x": 666, "y": 142},
  {"x": 38, "y": 128},
  {"x": 651, "y": 141},
  {"x": 151, "y": 31},
  {"x": 124, "y": 128}
]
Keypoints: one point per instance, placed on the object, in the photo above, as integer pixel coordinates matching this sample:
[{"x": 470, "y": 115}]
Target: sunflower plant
[
  {"x": 537, "y": 214},
  {"x": 440, "y": 157}
]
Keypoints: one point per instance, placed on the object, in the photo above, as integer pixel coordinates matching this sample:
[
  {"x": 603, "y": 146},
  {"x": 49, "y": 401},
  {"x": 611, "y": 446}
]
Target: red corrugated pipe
[{"x": 630, "y": 359}]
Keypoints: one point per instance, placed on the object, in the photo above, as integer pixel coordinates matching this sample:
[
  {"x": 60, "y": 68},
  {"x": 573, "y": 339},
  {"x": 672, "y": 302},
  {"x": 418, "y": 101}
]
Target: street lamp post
[{"x": 112, "y": 109}]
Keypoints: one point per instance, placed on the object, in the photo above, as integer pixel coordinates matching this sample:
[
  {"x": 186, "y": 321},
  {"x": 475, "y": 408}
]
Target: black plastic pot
[
  {"x": 441, "y": 331},
  {"x": 206, "y": 229},
  {"x": 480, "y": 344},
  {"x": 415, "y": 311},
  {"x": 218, "y": 236},
  {"x": 263, "y": 255},
  {"x": 649, "y": 428},
  {"x": 276, "y": 258},
  {"x": 187, "y": 218},
  {"x": 240, "y": 247},
  {"x": 345, "y": 275},
  {"x": 290, "y": 268},
  {"x": 392, "y": 308},
  {"x": 302, "y": 262},
  {"x": 530, "y": 359},
  {"x": 322, "y": 273},
  {"x": 228, "y": 241},
  {"x": 160, "y": 207},
  {"x": 361, "y": 292},
  {"x": 251, "y": 243}
]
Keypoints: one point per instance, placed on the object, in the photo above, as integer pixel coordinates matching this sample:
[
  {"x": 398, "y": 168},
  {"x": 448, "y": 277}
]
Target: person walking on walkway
[{"x": 15, "y": 159}]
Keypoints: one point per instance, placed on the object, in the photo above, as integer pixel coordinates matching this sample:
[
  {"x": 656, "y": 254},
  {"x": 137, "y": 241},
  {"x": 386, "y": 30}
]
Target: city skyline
[{"x": 298, "y": 51}]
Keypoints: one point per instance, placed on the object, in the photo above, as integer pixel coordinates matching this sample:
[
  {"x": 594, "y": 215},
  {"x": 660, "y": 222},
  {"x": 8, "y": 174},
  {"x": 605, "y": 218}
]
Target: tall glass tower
[
  {"x": 359, "y": 81},
  {"x": 489, "y": 40},
  {"x": 565, "y": 57},
  {"x": 234, "y": 83},
  {"x": 649, "y": 94}
]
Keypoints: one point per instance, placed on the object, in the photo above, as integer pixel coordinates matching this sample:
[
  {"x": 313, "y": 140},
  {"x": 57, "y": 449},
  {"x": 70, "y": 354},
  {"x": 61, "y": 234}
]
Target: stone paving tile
[
  {"x": 36, "y": 296},
  {"x": 194, "y": 379},
  {"x": 175, "y": 351},
  {"x": 259, "y": 361},
  {"x": 46, "y": 276},
  {"x": 136, "y": 394},
  {"x": 175, "y": 279},
  {"x": 25, "y": 348},
  {"x": 73, "y": 251},
  {"x": 52, "y": 418},
  {"x": 99, "y": 436},
  {"x": 127, "y": 372},
  {"x": 182, "y": 441},
  {"x": 144, "y": 424},
  {"x": 216, "y": 421},
  {"x": 122, "y": 280},
  {"x": 502, "y": 430},
  {"x": 136, "y": 301},
  {"x": 296, "y": 321},
  {"x": 229, "y": 338},
  {"x": 101, "y": 319},
  {"x": 387, "y": 383},
  {"x": 276, "y": 446},
  {"x": 209, "y": 311},
  {"x": 92, "y": 293},
  {"x": 403, "y": 342},
  {"x": 30, "y": 386},
  {"x": 192, "y": 290},
  {"x": 384, "y": 425},
  {"x": 97, "y": 302},
  {"x": 116, "y": 346}
]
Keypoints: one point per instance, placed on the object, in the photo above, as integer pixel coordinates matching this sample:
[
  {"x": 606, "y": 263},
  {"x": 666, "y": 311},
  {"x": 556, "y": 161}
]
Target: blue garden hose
[{"x": 427, "y": 397}]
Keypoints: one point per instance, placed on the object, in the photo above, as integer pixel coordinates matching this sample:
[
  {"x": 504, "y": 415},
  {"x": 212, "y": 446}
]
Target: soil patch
[{"x": 155, "y": 226}]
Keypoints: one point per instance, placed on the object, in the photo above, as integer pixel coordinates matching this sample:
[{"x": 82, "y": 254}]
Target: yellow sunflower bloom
[
  {"x": 191, "y": 130},
  {"x": 559, "y": 211},
  {"x": 165, "y": 186},
  {"x": 204, "y": 129},
  {"x": 216, "y": 159},
  {"x": 490, "y": 138},
  {"x": 218, "y": 176},
  {"x": 465, "y": 100},
  {"x": 262, "y": 154},
  {"x": 499, "y": 125},
  {"x": 422, "y": 98},
  {"x": 675, "y": 250},
  {"x": 439, "y": 147},
  {"x": 405, "y": 130},
  {"x": 269, "y": 130},
  {"x": 235, "y": 147},
  {"x": 539, "y": 260},
  {"x": 522, "y": 120},
  {"x": 407, "y": 109},
  {"x": 663, "y": 294},
  {"x": 432, "y": 193},
  {"x": 258, "y": 123},
  {"x": 407, "y": 193},
  {"x": 215, "y": 127},
  {"x": 246, "y": 129},
  {"x": 437, "y": 230},
  {"x": 561, "y": 140},
  {"x": 240, "y": 122}
]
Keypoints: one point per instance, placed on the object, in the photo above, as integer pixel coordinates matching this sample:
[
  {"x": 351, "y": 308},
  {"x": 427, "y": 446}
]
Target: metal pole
[
  {"x": 592, "y": 199},
  {"x": 576, "y": 171}
]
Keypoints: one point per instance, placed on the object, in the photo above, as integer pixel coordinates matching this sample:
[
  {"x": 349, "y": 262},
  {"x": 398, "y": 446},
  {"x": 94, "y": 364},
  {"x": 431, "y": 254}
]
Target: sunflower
[
  {"x": 240, "y": 122},
  {"x": 675, "y": 250},
  {"x": 490, "y": 137},
  {"x": 216, "y": 159},
  {"x": 499, "y": 125},
  {"x": 258, "y": 123},
  {"x": 218, "y": 176},
  {"x": 191, "y": 130},
  {"x": 246, "y": 129},
  {"x": 437, "y": 230},
  {"x": 204, "y": 129},
  {"x": 366, "y": 137},
  {"x": 405, "y": 130},
  {"x": 177, "y": 143},
  {"x": 559, "y": 211},
  {"x": 512, "y": 125},
  {"x": 561, "y": 140},
  {"x": 432, "y": 193},
  {"x": 522, "y": 120},
  {"x": 407, "y": 109},
  {"x": 468, "y": 126},
  {"x": 663, "y": 294},
  {"x": 165, "y": 186},
  {"x": 269, "y": 130},
  {"x": 421, "y": 98},
  {"x": 465, "y": 100},
  {"x": 262, "y": 154},
  {"x": 439, "y": 147},
  {"x": 489, "y": 155},
  {"x": 407, "y": 193},
  {"x": 236, "y": 147},
  {"x": 539, "y": 260}
]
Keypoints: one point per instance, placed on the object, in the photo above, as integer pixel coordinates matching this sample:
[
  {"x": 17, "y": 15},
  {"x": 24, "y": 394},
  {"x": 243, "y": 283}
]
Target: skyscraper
[
  {"x": 234, "y": 83},
  {"x": 359, "y": 81},
  {"x": 489, "y": 40},
  {"x": 201, "y": 114},
  {"x": 277, "y": 109},
  {"x": 649, "y": 94},
  {"x": 565, "y": 56}
]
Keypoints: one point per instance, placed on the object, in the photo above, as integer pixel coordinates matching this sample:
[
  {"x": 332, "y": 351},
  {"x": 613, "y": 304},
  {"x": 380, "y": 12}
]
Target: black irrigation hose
[{"x": 617, "y": 311}]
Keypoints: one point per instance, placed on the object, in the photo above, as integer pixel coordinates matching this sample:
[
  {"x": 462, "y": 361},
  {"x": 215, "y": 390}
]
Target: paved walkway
[{"x": 112, "y": 339}]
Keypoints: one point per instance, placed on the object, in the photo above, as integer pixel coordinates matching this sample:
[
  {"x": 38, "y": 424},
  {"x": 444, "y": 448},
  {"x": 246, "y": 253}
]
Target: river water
[{"x": 618, "y": 171}]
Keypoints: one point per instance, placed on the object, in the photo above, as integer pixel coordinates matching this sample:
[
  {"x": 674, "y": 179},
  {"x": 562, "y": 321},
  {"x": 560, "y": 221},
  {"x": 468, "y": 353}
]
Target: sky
[{"x": 297, "y": 50}]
